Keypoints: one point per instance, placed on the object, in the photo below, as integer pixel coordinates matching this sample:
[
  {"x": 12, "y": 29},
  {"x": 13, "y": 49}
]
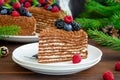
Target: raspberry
[
  {"x": 76, "y": 58},
  {"x": 16, "y": 5},
  {"x": 27, "y": 4},
  {"x": 117, "y": 66},
  {"x": 22, "y": 1},
  {"x": 68, "y": 19},
  {"x": 55, "y": 9},
  {"x": 108, "y": 75},
  {"x": 30, "y": 0},
  {"x": 46, "y": 6},
  {"x": 15, "y": 14},
  {"x": 41, "y": 1},
  {"x": 1, "y": 2}
]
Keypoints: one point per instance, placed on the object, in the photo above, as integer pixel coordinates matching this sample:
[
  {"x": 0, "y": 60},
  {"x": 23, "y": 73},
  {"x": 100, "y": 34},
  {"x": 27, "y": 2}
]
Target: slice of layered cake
[
  {"x": 17, "y": 15},
  {"x": 61, "y": 43},
  {"x": 46, "y": 13}
]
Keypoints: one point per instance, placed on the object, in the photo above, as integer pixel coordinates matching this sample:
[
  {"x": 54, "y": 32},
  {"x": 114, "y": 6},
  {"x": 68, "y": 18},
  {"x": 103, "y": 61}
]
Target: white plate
[
  {"x": 22, "y": 39},
  {"x": 22, "y": 56},
  {"x": 56, "y": 71}
]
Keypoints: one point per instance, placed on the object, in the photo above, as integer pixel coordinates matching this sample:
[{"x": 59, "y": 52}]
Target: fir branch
[
  {"x": 8, "y": 6},
  {"x": 9, "y": 30},
  {"x": 35, "y": 2},
  {"x": 88, "y": 23},
  {"x": 104, "y": 40}
]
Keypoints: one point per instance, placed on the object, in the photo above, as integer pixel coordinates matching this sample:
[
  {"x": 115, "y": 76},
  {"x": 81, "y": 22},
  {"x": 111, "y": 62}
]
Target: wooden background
[{"x": 11, "y": 71}]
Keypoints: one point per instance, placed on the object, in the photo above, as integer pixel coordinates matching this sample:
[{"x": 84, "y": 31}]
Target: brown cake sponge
[
  {"x": 26, "y": 24},
  {"x": 44, "y": 17}
]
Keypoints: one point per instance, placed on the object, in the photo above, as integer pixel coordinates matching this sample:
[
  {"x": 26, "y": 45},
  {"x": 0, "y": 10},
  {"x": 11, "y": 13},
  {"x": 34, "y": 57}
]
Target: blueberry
[
  {"x": 22, "y": 5},
  {"x": 28, "y": 14},
  {"x": 59, "y": 24},
  {"x": 49, "y": 8},
  {"x": 4, "y": 11},
  {"x": 67, "y": 27},
  {"x": 75, "y": 26}
]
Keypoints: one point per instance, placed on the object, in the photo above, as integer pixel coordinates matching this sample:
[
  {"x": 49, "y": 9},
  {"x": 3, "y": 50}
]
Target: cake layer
[
  {"x": 57, "y": 45},
  {"x": 27, "y": 24},
  {"x": 44, "y": 17}
]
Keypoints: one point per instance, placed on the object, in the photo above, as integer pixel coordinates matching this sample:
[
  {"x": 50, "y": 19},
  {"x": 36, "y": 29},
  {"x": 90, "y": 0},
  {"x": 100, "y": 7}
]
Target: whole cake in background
[
  {"x": 46, "y": 12},
  {"x": 16, "y": 14},
  {"x": 62, "y": 41}
]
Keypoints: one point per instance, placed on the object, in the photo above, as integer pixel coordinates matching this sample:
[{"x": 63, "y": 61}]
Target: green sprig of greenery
[
  {"x": 9, "y": 30},
  {"x": 104, "y": 39}
]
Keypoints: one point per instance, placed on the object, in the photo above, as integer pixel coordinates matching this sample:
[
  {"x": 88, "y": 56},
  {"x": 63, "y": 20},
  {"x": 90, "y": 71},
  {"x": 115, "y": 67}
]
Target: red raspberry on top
[
  {"x": 15, "y": 14},
  {"x": 76, "y": 58},
  {"x": 27, "y": 4},
  {"x": 46, "y": 6},
  {"x": 1, "y": 2},
  {"x": 22, "y": 1},
  {"x": 68, "y": 19},
  {"x": 108, "y": 75},
  {"x": 30, "y": 0},
  {"x": 16, "y": 5},
  {"x": 55, "y": 9},
  {"x": 117, "y": 66},
  {"x": 42, "y": 1}
]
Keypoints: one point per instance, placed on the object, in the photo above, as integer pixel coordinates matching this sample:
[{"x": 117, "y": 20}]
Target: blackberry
[
  {"x": 9, "y": 11},
  {"x": 60, "y": 24},
  {"x": 75, "y": 26},
  {"x": 56, "y": 5},
  {"x": 22, "y": 11}
]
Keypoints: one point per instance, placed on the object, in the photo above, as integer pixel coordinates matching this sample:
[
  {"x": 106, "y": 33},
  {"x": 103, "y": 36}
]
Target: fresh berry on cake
[
  {"x": 65, "y": 41},
  {"x": 14, "y": 13}
]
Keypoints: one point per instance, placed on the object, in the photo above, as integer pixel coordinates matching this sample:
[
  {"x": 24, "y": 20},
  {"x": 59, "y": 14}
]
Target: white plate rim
[{"x": 49, "y": 64}]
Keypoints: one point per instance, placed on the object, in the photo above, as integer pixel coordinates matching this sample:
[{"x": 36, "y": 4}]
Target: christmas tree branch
[
  {"x": 9, "y": 30},
  {"x": 104, "y": 40}
]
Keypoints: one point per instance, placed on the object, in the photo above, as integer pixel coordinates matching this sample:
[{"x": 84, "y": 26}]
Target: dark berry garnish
[
  {"x": 4, "y": 11},
  {"x": 28, "y": 14},
  {"x": 67, "y": 27},
  {"x": 75, "y": 26},
  {"x": 49, "y": 8},
  {"x": 22, "y": 11},
  {"x": 68, "y": 19},
  {"x": 60, "y": 24},
  {"x": 9, "y": 11}
]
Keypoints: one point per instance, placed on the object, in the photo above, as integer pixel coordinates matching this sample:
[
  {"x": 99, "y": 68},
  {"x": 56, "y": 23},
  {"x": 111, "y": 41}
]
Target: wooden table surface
[{"x": 11, "y": 71}]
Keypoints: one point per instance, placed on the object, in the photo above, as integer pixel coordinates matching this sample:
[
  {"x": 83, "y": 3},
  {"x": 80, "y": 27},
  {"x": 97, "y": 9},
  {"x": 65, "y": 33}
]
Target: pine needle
[
  {"x": 9, "y": 30},
  {"x": 104, "y": 40}
]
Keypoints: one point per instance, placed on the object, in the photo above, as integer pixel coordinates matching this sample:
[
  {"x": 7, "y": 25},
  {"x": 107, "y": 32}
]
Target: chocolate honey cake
[
  {"x": 45, "y": 18},
  {"x": 60, "y": 43},
  {"x": 17, "y": 15},
  {"x": 26, "y": 24}
]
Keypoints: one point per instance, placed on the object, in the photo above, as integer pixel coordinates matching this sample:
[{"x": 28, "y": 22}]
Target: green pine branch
[
  {"x": 104, "y": 40},
  {"x": 88, "y": 23},
  {"x": 9, "y": 30}
]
